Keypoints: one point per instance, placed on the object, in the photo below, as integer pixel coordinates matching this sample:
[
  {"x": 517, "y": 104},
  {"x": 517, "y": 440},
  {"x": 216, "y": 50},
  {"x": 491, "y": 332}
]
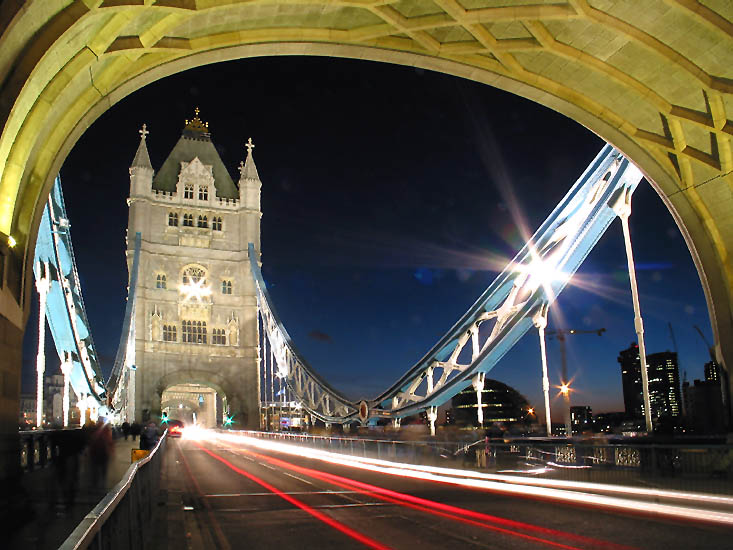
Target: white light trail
[{"x": 564, "y": 491}]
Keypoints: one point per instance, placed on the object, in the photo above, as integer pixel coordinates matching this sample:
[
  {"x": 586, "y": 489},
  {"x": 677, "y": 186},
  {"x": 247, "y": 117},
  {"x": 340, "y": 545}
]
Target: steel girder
[
  {"x": 502, "y": 314},
  {"x": 65, "y": 312}
]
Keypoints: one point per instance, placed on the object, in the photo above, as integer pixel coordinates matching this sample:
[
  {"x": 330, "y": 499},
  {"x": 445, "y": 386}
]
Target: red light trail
[
  {"x": 366, "y": 541},
  {"x": 485, "y": 521}
]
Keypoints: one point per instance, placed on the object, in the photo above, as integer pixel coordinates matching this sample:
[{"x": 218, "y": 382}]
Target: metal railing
[
  {"x": 688, "y": 467},
  {"x": 123, "y": 519},
  {"x": 39, "y": 448}
]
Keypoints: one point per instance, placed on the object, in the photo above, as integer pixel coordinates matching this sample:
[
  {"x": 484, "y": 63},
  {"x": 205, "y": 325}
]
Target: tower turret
[
  {"x": 249, "y": 197},
  {"x": 249, "y": 181},
  {"x": 141, "y": 170}
]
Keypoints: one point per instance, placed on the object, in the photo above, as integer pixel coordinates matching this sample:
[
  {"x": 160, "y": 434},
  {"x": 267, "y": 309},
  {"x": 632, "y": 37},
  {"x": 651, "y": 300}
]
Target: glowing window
[{"x": 194, "y": 275}]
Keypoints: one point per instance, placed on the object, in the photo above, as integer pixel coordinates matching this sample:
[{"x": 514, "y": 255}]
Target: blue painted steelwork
[
  {"x": 502, "y": 314},
  {"x": 64, "y": 305}
]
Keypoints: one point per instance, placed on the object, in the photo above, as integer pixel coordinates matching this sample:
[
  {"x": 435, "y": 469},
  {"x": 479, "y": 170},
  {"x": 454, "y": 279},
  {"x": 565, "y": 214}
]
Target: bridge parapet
[{"x": 700, "y": 467}]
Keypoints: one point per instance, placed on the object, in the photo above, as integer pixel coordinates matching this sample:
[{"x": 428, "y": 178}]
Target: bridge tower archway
[
  {"x": 219, "y": 391},
  {"x": 658, "y": 87}
]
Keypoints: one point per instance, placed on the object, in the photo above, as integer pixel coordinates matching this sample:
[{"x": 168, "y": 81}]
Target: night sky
[{"x": 391, "y": 198}]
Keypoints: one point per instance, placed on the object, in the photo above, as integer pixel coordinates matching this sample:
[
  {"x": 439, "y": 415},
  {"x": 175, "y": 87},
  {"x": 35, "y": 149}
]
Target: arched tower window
[
  {"x": 173, "y": 219},
  {"x": 188, "y": 220},
  {"x": 160, "y": 281},
  {"x": 203, "y": 193},
  {"x": 216, "y": 223},
  {"x": 194, "y": 275},
  {"x": 188, "y": 191},
  {"x": 203, "y": 221},
  {"x": 226, "y": 287}
]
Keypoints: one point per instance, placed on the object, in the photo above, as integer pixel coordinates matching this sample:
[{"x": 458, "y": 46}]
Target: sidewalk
[{"x": 49, "y": 520}]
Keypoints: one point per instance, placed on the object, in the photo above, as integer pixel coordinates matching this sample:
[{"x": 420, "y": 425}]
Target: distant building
[
  {"x": 664, "y": 384},
  {"x": 581, "y": 418},
  {"x": 704, "y": 409},
  {"x": 27, "y": 419},
  {"x": 712, "y": 372},
  {"x": 608, "y": 422},
  {"x": 500, "y": 403}
]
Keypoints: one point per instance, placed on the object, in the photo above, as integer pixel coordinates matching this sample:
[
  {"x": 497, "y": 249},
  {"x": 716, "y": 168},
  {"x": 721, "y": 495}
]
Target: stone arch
[{"x": 660, "y": 92}]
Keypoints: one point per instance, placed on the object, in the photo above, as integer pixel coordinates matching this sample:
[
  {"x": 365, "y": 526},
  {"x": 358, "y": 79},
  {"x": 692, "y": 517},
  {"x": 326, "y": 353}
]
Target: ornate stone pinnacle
[
  {"x": 249, "y": 146},
  {"x": 144, "y": 131}
]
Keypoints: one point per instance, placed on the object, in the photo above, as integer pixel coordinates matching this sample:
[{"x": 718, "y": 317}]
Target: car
[{"x": 175, "y": 428}]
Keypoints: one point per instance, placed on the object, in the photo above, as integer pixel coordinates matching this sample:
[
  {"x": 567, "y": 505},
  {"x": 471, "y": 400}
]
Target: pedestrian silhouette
[
  {"x": 135, "y": 430},
  {"x": 100, "y": 451}
]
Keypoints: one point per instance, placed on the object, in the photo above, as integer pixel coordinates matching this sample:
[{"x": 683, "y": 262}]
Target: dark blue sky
[{"x": 387, "y": 198}]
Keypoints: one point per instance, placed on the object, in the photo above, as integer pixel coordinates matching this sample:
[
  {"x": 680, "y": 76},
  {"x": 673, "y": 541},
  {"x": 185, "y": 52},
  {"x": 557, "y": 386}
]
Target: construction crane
[
  {"x": 716, "y": 372},
  {"x": 561, "y": 335},
  {"x": 711, "y": 349}
]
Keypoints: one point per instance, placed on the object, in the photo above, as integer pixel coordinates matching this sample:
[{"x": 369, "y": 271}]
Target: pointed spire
[
  {"x": 142, "y": 159},
  {"x": 247, "y": 169}
]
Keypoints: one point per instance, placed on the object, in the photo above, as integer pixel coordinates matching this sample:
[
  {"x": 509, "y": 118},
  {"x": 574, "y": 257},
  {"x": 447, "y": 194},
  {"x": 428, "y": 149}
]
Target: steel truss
[
  {"x": 54, "y": 263},
  {"x": 515, "y": 301}
]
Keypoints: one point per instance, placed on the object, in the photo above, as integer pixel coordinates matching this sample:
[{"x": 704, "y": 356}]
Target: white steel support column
[
  {"x": 623, "y": 211},
  {"x": 272, "y": 381},
  {"x": 478, "y": 385},
  {"x": 66, "y": 367},
  {"x": 42, "y": 285},
  {"x": 432, "y": 413},
  {"x": 540, "y": 321}
]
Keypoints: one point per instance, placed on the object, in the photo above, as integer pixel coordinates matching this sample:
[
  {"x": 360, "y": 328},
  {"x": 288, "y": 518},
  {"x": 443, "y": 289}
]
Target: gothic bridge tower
[{"x": 196, "y": 344}]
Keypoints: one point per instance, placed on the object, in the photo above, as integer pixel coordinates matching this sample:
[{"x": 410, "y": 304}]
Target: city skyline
[{"x": 399, "y": 234}]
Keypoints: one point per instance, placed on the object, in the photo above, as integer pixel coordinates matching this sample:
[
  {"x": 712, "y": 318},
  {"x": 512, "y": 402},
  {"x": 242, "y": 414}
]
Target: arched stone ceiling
[{"x": 655, "y": 78}]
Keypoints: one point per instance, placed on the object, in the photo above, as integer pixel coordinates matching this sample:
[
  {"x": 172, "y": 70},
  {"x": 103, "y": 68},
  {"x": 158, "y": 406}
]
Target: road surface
[{"x": 226, "y": 494}]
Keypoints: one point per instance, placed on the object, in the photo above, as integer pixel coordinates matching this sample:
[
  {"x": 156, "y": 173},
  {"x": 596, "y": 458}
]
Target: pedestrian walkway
[{"x": 46, "y": 520}]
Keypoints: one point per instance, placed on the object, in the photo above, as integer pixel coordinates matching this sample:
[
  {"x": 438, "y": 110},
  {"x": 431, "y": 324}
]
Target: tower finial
[
  {"x": 197, "y": 125},
  {"x": 144, "y": 131},
  {"x": 249, "y": 146}
]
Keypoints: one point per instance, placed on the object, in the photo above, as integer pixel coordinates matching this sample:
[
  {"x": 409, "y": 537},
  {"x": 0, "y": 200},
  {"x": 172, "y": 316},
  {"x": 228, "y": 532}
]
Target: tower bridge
[
  {"x": 200, "y": 331},
  {"x": 655, "y": 81}
]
